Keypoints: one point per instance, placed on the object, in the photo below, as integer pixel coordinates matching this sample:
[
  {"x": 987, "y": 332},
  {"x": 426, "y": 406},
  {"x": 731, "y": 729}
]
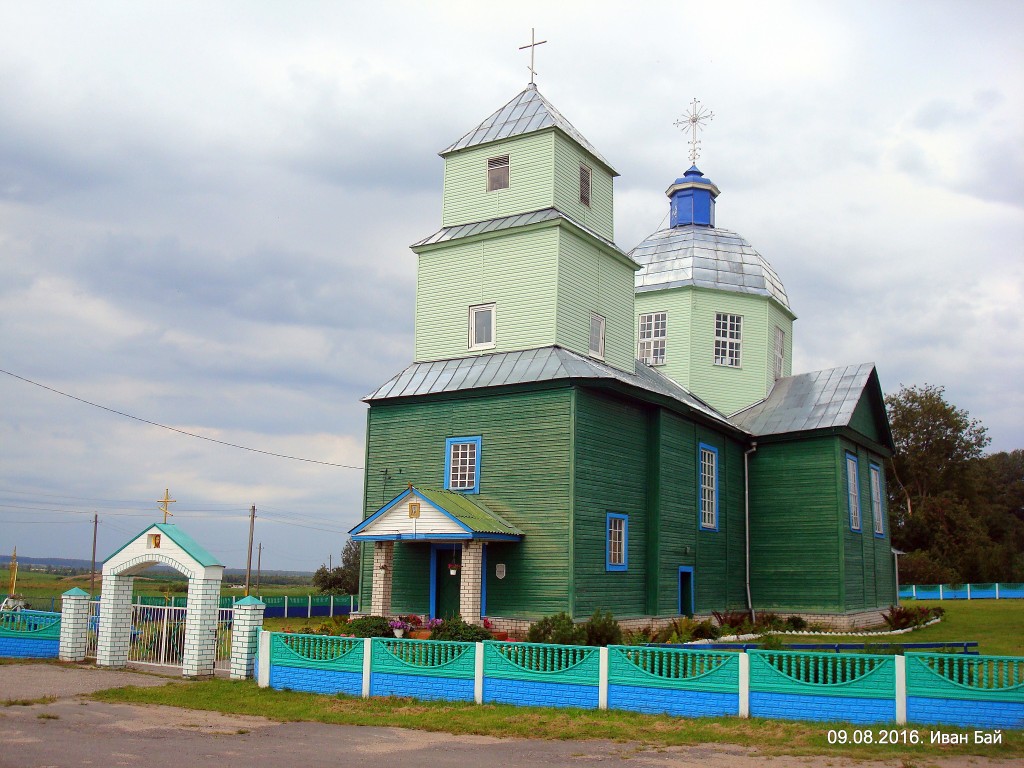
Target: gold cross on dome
[
  {"x": 533, "y": 47},
  {"x": 164, "y": 502},
  {"x": 692, "y": 121}
]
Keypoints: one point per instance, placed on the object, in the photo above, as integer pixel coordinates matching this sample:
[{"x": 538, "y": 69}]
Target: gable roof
[
  {"x": 529, "y": 366},
  {"x": 527, "y": 112},
  {"x": 469, "y": 517},
  {"x": 824, "y": 399},
  {"x": 179, "y": 537}
]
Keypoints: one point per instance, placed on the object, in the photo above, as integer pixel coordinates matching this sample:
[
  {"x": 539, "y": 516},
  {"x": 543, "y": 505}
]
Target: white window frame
[
  {"x": 473, "y": 312},
  {"x": 462, "y": 464},
  {"x": 598, "y": 353},
  {"x": 586, "y": 184},
  {"x": 877, "y": 512},
  {"x": 616, "y": 551},
  {"x": 499, "y": 173},
  {"x": 651, "y": 344},
  {"x": 853, "y": 492},
  {"x": 728, "y": 340},
  {"x": 707, "y": 473},
  {"x": 780, "y": 353}
]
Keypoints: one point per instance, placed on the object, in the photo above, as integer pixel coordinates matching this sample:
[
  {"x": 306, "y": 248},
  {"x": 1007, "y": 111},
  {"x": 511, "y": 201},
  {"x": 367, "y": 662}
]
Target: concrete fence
[
  {"x": 988, "y": 591},
  {"x": 858, "y": 688},
  {"x": 29, "y": 634}
]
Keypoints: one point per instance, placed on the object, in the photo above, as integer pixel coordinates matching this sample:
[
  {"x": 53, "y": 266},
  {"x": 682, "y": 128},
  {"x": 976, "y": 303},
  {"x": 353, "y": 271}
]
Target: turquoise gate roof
[{"x": 467, "y": 518}]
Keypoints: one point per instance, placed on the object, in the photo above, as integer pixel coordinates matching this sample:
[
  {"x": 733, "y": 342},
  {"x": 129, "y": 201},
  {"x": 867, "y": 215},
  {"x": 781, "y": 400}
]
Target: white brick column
[
  {"x": 245, "y": 633},
  {"x": 383, "y": 571},
  {"x": 74, "y": 625},
  {"x": 471, "y": 581},
  {"x": 115, "y": 621},
  {"x": 201, "y": 628}
]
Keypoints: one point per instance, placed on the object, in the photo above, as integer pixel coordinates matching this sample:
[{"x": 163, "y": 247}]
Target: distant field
[{"x": 39, "y": 587}]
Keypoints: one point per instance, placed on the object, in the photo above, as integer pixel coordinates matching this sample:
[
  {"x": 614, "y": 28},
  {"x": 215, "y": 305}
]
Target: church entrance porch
[{"x": 456, "y": 527}]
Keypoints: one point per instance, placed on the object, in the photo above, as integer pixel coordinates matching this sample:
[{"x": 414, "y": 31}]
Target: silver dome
[{"x": 705, "y": 257}]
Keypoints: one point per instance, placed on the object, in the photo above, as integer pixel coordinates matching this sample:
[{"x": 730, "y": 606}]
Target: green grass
[
  {"x": 769, "y": 737},
  {"x": 997, "y": 626}
]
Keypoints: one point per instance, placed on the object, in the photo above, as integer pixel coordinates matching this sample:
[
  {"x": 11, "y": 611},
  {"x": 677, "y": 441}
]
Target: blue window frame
[
  {"x": 616, "y": 550},
  {"x": 853, "y": 492},
  {"x": 462, "y": 464},
  {"x": 877, "y": 510},
  {"x": 707, "y": 483}
]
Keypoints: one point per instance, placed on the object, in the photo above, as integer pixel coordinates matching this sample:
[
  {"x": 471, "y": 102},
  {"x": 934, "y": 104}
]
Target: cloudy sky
[{"x": 205, "y": 213}]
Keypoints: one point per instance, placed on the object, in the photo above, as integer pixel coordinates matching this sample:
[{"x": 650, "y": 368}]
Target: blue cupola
[{"x": 693, "y": 199}]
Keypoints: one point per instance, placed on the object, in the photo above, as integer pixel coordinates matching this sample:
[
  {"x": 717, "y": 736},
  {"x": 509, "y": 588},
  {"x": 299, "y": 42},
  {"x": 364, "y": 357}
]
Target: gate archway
[{"x": 161, "y": 544}]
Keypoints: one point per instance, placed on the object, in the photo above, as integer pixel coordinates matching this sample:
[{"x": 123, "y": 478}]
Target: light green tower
[
  {"x": 712, "y": 314},
  {"x": 525, "y": 257}
]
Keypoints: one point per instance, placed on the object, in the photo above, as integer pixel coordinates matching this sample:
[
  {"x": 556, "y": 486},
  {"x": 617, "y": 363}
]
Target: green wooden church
[{"x": 587, "y": 428}]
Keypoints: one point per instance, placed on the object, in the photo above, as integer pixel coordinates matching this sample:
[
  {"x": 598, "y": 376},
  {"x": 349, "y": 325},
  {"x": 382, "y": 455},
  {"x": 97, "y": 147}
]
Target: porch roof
[{"x": 444, "y": 515}]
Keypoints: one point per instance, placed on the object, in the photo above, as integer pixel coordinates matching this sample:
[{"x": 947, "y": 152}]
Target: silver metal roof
[
  {"x": 527, "y": 112},
  {"x": 527, "y": 366},
  {"x": 507, "y": 222},
  {"x": 705, "y": 257},
  {"x": 815, "y": 400}
]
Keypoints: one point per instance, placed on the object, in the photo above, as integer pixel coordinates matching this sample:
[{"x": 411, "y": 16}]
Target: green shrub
[
  {"x": 796, "y": 623},
  {"x": 638, "y": 636},
  {"x": 370, "y": 626},
  {"x": 772, "y": 643},
  {"x": 558, "y": 629},
  {"x": 602, "y": 629},
  {"x": 736, "y": 620},
  {"x": 457, "y": 630},
  {"x": 705, "y": 630},
  {"x": 903, "y": 617}
]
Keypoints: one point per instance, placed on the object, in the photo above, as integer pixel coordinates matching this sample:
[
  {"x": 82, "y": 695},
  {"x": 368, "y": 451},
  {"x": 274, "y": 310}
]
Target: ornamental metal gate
[{"x": 158, "y": 635}]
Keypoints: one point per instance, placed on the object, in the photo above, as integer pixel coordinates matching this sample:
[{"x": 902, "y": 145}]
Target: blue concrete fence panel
[
  {"x": 973, "y": 692},
  {"x": 29, "y": 634},
  {"x": 674, "y": 681},
  {"x": 424, "y": 669},
  {"x": 797, "y": 685},
  {"x": 316, "y": 663},
  {"x": 541, "y": 675}
]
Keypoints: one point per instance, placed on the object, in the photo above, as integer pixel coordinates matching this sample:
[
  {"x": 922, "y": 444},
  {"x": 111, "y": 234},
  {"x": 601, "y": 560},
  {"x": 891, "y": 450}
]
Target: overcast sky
[{"x": 205, "y": 213}]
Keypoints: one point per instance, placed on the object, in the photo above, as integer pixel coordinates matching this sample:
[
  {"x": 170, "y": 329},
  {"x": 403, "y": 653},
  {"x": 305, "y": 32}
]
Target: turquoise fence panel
[
  {"x": 1011, "y": 590},
  {"x": 322, "y": 600},
  {"x": 928, "y": 592},
  {"x": 423, "y": 669},
  {"x": 535, "y": 674},
  {"x": 316, "y": 651},
  {"x": 29, "y": 634},
  {"x": 40, "y": 625},
  {"x": 675, "y": 681},
  {"x": 859, "y": 688},
  {"x": 275, "y": 600},
  {"x": 954, "y": 591},
  {"x": 983, "y": 591},
  {"x": 975, "y": 691},
  {"x": 675, "y": 668}
]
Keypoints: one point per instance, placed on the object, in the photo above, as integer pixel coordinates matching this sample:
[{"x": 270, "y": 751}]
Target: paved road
[{"x": 73, "y": 731}]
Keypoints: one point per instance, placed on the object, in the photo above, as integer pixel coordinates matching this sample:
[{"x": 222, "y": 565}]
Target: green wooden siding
[
  {"x": 794, "y": 541},
  {"x": 677, "y": 303},
  {"x": 590, "y": 280},
  {"x": 610, "y": 476},
  {"x": 531, "y": 180},
  {"x": 863, "y": 419},
  {"x": 524, "y": 477},
  {"x": 518, "y": 272},
  {"x": 869, "y": 570},
  {"x": 598, "y": 216},
  {"x": 690, "y": 343}
]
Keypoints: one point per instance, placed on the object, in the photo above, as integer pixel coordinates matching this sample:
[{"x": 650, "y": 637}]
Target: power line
[{"x": 175, "y": 429}]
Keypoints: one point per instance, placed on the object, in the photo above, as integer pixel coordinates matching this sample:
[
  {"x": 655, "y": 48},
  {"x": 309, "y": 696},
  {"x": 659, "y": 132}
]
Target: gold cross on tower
[
  {"x": 692, "y": 121},
  {"x": 164, "y": 502},
  {"x": 533, "y": 47}
]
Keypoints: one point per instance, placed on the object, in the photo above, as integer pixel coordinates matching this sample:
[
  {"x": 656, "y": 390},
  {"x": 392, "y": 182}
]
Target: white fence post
[
  {"x": 968, "y": 591},
  {"x": 913, "y": 587},
  {"x": 744, "y": 708},
  {"x": 602, "y": 678},
  {"x": 286, "y": 606},
  {"x": 940, "y": 592},
  {"x": 309, "y": 610},
  {"x": 74, "y": 625},
  {"x": 367, "y": 665},
  {"x": 263, "y": 667},
  {"x": 997, "y": 590},
  {"x": 901, "y": 689},
  {"x": 478, "y": 675},
  {"x": 332, "y": 606}
]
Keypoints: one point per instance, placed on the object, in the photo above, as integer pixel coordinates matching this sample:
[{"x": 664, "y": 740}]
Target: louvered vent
[
  {"x": 497, "y": 173},
  {"x": 585, "y": 185}
]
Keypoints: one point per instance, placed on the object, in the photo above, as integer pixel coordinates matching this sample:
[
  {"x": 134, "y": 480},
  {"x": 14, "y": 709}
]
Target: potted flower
[
  {"x": 453, "y": 567},
  {"x": 398, "y": 626},
  {"x": 422, "y": 629}
]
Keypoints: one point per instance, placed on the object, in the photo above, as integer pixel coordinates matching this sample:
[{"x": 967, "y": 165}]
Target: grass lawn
[
  {"x": 997, "y": 626},
  {"x": 770, "y": 737}
]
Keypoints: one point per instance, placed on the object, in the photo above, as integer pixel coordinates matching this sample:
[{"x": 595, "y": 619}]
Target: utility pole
[
  {"x": 330, "y": 562},
  {"x": 259, "y": 566},
  {"x": 92, "y": 571},
  {"x": 248, "y": 561}
]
